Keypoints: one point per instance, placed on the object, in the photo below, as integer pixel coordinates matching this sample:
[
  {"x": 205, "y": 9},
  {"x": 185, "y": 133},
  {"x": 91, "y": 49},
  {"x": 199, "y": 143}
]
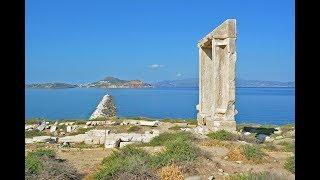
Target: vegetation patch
[
  {"x": 42, "y": 164},
  {"x": 164, "y": 138},
  {"x": 177, "y": 151},
  {"x": 290, "y": 164},
  {"x": 176, "y": 128},
  {"x": 287, "y": 146},
  {"x": 34, "y": 132},
  {"x": 270, "y": 147},
  {"x": 253, "y": 153},
  {"x": 222, "y": 135},
  {"x": 129, "y": 161},
  {"x": 132, "y": 162},
  {"x": 134, "y": 129}
]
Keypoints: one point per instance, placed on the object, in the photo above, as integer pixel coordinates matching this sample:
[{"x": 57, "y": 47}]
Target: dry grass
[
  {"x": 216, "y": 143},
  {"x": 236, "y": 154},
  {"x": 171, "y": 172}
]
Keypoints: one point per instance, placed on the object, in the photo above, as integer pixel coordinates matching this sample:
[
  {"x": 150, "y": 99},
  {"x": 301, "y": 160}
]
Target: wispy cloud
[
  {"x": 156, "y": 66},
  {"x": 179, "y": 75}
]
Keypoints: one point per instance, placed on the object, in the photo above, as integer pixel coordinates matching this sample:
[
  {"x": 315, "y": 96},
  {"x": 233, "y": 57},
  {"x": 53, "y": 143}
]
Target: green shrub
[
  {"x": 124, "y": 160},
  {"x": 134, "y": 129},
  {"x": 290, "y": 164},
  {"x": 42, "y": 164},
  {"x": 39, "y": 153},
  {"x": 35, "y": 120},
  {"x": 163, "y": 138},
  {"x": 32, "y": 165},
  {"x": 221, "y": 135},
  {"x": 34, "y": 132},
  {"x": 287, "y": 146},
  {"x": 177, "y": 151},
  {"x": 253, "y": 153},
  {"x": 270, "y": 146}
]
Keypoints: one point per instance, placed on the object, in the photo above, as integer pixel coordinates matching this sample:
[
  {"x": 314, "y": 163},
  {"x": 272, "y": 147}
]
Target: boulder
[
  {"x": 69, "y": 129},
  {"x": 261, "y": 138},
  {"x": 53, "y": 128},
  {"x": 193, "y": 178},
  {"x": 203, "y": 130},
  {"x": 112, "y": 143},
  {"x": 246, "y": 133},
  {"x": 42, "y": 139},
  {"x": 73, "y": 139},
  {"x": 268, "y": 139},
  {"x": 42, "y": 126},
  {"x": 149, "y": 123},
  {"x": 278, "y": 131},
  {"x": 28, "y": 140}
]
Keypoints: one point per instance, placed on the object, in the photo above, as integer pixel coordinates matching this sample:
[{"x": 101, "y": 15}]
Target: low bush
[
  {"x": 33, "y": 133},
  {"x": 177, "y": 151},
  {"x": 222, "y": 135},
  {"x": 131, "y": 161},
  {"x": 253, "y": 153},
  {"x": 163, "y": 138},
  {"x": 42, "y": 164},
  {"x": 290, "y": 164},
  {"x": 134, "y": 129},
  {"x": 287, "y": 146}
]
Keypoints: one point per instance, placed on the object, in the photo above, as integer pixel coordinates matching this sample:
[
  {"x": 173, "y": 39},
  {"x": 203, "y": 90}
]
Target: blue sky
[{"x": 79, "y": 41}]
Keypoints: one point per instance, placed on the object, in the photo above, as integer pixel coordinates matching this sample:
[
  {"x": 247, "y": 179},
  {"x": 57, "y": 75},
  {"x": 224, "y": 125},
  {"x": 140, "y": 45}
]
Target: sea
[{"x": 255, "y": 105}]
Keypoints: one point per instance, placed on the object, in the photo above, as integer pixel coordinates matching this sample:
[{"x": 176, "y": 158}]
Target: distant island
[
  {"x": 108, "y": 82},
  {"x": 193, "y": 82},
  {"x": 112, "y": 82},
  {"x": 54, "y": 85}
]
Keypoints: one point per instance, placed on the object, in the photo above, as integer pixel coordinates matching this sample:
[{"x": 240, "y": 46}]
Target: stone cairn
[{"x": 106, "y": 108}]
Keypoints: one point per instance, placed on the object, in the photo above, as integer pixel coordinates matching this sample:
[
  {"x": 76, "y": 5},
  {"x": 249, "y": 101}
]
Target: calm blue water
[{"x": 255, "y": 105}]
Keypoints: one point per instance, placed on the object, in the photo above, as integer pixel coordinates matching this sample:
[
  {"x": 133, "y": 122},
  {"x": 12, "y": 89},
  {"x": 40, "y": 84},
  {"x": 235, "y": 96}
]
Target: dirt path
[{"x": 85, "y": 161}]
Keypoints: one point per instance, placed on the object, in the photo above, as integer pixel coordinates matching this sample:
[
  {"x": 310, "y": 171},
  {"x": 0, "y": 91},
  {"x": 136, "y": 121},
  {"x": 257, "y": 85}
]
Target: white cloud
[
  {"x": 179, "y": 74},
  {"x": 156, "y": 66}
]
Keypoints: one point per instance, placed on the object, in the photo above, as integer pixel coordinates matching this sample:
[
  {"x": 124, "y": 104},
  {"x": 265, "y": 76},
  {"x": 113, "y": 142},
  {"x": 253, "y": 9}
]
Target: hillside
[
  {"x": 193, "y": 82},
  {"x": 55, "y": 85}
]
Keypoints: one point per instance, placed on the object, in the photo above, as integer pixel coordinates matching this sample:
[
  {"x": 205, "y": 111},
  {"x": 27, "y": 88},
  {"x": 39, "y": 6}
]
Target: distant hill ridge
[
  {"x": 107, "y": 82},
  {"x": 112, "y": 82},
  {"x": 193, "y": 82}
]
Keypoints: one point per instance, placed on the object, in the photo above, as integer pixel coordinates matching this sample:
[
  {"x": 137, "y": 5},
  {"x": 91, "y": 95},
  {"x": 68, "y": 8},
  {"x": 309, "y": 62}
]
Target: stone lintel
[{"x": 226, "y": 30}]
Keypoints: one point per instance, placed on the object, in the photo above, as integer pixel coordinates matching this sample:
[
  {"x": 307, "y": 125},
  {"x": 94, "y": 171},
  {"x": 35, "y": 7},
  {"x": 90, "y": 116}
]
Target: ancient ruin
[{"x": 217, "y": 59}]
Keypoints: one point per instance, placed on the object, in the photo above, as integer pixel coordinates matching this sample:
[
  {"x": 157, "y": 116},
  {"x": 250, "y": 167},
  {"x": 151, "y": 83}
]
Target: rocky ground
[{"x": 82, "y": 145}]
